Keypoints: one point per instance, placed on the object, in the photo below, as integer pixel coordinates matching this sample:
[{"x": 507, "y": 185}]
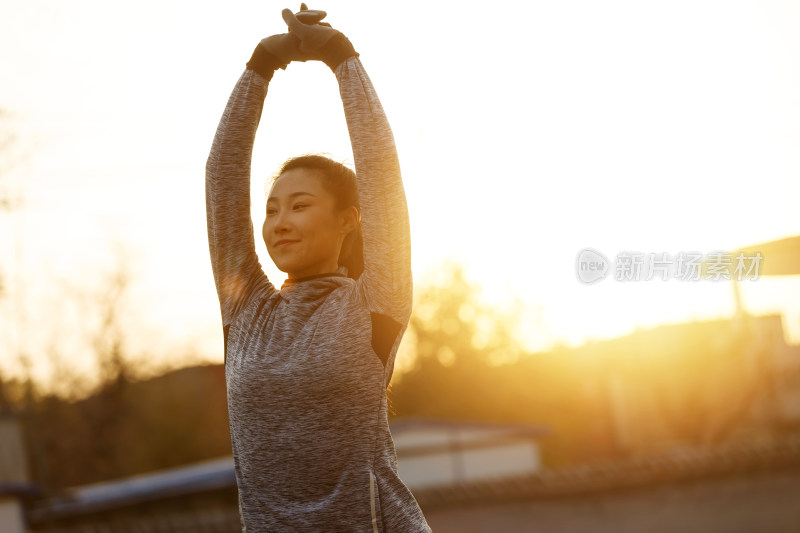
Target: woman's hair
[{"x": 340, "y": 181}]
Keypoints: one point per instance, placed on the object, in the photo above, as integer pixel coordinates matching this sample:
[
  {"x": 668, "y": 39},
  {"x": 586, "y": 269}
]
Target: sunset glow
[{"x": 524, "y": 134}]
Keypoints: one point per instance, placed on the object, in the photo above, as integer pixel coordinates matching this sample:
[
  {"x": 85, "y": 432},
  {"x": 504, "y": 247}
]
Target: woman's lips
[{"x": 283, "y": 243}]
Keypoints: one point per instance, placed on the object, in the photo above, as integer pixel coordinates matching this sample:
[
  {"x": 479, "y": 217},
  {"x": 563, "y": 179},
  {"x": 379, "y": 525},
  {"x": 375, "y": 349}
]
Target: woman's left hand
[
  {"x": 307, "y": 39},
  {"x": 302, "y": 42}
]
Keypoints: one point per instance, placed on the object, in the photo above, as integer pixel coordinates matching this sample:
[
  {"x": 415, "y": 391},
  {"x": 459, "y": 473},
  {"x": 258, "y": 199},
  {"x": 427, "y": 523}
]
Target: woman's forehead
[{"x": 297, "y": 180}]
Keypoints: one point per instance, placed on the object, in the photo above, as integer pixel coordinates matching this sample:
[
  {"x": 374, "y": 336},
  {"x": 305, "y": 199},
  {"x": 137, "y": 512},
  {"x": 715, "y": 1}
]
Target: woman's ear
[{"x": 349, "y": 219}]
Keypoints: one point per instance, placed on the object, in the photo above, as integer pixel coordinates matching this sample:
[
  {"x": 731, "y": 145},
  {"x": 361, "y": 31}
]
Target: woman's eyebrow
[{"x": 298, "y": 193}]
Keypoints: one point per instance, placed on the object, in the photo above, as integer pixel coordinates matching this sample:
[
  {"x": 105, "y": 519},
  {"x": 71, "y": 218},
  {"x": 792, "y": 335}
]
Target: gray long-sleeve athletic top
[{"x": 307, "y": 365}]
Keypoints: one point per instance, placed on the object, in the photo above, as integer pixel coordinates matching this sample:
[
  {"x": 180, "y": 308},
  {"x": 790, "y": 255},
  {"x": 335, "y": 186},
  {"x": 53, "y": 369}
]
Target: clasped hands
[{"x": 303, "y": 42}]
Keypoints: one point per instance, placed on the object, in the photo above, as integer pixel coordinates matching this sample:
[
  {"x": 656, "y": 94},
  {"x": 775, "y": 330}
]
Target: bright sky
[{"x": 524, "y": 133}]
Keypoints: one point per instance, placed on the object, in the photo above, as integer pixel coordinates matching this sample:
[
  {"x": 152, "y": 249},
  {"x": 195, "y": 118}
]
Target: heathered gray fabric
[{"x": 306, "y": 392}]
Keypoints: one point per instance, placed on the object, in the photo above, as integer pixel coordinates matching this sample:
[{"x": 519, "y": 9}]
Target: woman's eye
[{"x": 297, "y": 206}]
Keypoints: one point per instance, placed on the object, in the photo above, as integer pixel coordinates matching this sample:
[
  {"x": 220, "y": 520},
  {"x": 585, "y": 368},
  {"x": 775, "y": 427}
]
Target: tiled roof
[
  {"x": 672, "y": 466},
  {"x": 640, "y": 471}
]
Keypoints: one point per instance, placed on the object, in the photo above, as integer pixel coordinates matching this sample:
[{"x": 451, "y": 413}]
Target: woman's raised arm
[
  {"x": 237, "y": 272},
  {"x": 386, "y": 282}
]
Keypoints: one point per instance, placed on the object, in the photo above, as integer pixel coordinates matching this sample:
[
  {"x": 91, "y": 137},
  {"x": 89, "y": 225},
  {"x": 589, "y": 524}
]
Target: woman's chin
[
  {"x": 287, "y": 267},
  {"x": 284, "y": 267},
  {"x": 281, "y": 265}
]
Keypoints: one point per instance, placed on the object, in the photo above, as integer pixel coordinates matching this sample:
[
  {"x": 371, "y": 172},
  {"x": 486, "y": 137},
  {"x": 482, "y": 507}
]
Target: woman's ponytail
[{"x": 352, "y": 254}]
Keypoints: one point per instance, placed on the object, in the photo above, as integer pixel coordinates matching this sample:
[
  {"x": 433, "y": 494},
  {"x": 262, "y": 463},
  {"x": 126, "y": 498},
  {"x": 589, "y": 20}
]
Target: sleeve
[
  {"x": 237, "y": 272},
  {"x": 386, "y": 283}
]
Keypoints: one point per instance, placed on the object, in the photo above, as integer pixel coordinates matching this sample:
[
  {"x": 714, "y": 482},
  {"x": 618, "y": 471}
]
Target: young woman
[{"x": 307, "y": 365}]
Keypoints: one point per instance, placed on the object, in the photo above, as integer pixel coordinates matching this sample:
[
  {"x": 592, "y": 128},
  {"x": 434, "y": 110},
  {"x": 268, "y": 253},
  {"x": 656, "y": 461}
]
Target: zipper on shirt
[
  {"x": 373, "y": 489},
  {"x": 242, "y": 523}
]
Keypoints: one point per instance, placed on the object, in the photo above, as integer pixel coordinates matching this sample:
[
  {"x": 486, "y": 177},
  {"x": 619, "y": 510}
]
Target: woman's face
[{"x": 303, "y": 230}]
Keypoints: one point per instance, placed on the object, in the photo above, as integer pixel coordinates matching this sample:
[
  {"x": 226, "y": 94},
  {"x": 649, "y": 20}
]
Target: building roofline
[
  {"x": 646, "y": 470},
  {"x": 20, "y": 490},
  {"x": 205, "y": 476},
  {"x": 398, "y": 425}
]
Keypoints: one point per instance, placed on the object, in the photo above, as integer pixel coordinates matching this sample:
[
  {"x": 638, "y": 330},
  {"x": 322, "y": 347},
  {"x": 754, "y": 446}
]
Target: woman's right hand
[
  {"x": 284, "y": 46},
  {"x": 303, "y": 42}
]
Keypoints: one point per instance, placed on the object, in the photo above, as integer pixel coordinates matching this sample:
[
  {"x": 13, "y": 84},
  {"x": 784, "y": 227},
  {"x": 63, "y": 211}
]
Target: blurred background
[{"x": 523, "y": 399}]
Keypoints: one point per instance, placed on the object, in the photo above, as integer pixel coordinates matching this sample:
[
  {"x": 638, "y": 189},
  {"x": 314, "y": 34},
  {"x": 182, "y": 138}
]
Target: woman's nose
[{"x": 280, "y": 222}]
